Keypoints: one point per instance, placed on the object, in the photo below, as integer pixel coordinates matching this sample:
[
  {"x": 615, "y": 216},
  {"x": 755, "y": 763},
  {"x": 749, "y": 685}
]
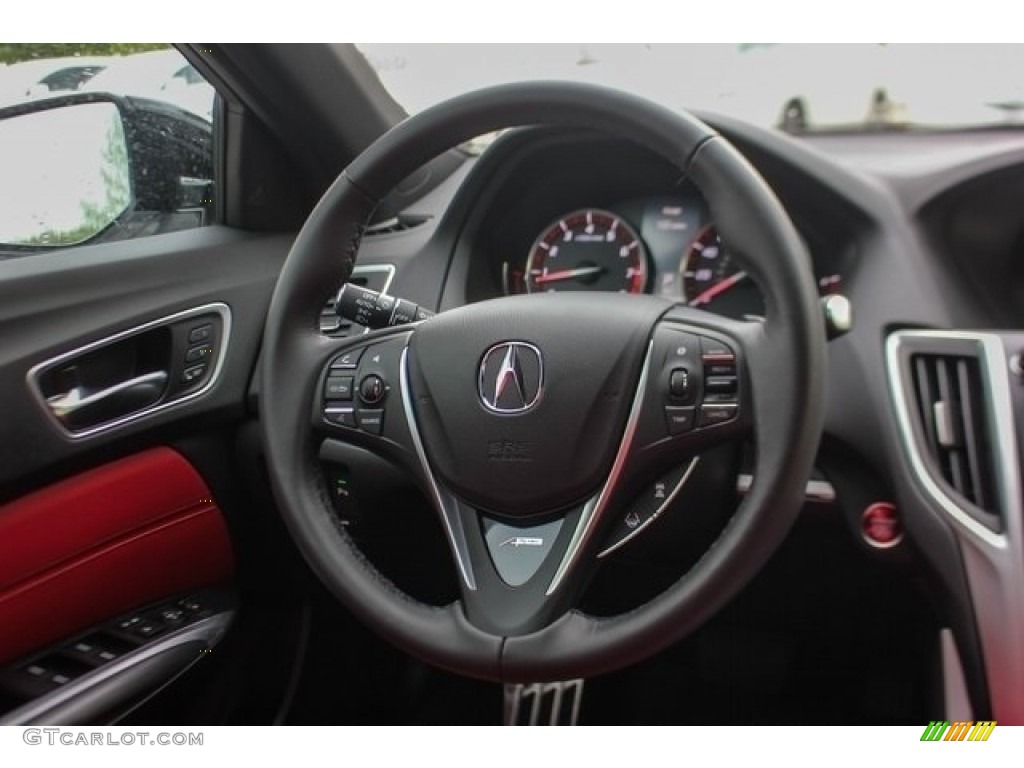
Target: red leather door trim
[{"x": 104, "y": 542}]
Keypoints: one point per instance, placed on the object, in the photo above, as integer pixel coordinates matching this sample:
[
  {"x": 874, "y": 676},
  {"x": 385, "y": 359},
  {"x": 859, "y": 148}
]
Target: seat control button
[
  {"x": 716, "y": 414},
  {"x": 679, "y": 419},
  {"x": 193, "y": 373},
  {"x": 338, "y": 388},
  {"x": 370, "y": 420},
  {"x": 198, "y": 353},
  {"x": 200, "y": 334}
]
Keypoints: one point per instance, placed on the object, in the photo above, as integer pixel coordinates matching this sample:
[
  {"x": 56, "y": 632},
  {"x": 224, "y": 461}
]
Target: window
[{"x": 99, "y": 143}]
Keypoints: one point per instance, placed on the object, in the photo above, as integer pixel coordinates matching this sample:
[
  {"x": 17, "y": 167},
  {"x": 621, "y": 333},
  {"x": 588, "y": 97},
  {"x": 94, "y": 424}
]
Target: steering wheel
[{"x": 532, "y": 422}]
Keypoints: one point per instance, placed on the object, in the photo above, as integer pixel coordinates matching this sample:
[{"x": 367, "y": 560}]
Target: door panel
[
  {"x": 108, "y": 540},
  {"x": 100, "y": 524},
  {"x": 53, "y": 304}
]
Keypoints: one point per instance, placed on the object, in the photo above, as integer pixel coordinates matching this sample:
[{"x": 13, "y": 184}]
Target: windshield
[{"x": 794, "y": 87}]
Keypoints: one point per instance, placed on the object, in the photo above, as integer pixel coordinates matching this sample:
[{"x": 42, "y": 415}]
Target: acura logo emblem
[{"x": 511, "y": 377}]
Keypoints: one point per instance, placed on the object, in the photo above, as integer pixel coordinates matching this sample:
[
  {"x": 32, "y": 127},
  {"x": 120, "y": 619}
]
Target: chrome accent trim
[
  {"x": 72, "y": 401},
  {"x": 821, "y": 491},
  {"x": 956, "y": 701},
  {"x": 516, "y": 695},
  {"x": 32, "y": 377},
  {"x": 993, "y": 562},
  {"x": 369, "y": 269},
  {"x": 372, "y": 229},
  {"x": 595, "y": 509},
  {"x": 447, "y": 505},
  {"x": 208, "y": 631},
  {"x": 657, "y": 513},
  {"x": 508, "y": 367},
  {"x": 873, "y": 542},
  {"x": 362, "y": 269},
  {"x": 945, "y": 433},
  {"x": 991, "y": 357}
]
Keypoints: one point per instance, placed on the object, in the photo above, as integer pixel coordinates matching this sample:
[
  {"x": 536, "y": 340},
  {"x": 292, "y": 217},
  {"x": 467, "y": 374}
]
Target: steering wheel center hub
[{"x": 521, "y": 402}]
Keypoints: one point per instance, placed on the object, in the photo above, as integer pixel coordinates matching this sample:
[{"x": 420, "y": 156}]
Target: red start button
[{"x": 881, "y": 525}]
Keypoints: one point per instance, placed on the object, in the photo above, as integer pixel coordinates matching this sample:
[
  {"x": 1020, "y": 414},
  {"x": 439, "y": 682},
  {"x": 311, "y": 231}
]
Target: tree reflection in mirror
[{"x": 67, "y": 175}]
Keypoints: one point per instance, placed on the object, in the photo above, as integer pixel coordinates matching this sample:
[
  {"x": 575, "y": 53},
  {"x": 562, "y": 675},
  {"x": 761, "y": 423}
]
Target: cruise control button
[
  {"x": 713, "y": 351},
  {"x": 338, "y": 387},
  {"x": 371, "y": 421},
  {"x": 348, "y": 359},
  {"x": 679, "y": 419},
  {"x": 720, "y": 369},
  {"x": 344, "y": 417},
  {"x": 716, "y": 414},
  {"x": 719, "y": 397},
  {"x": 720, "y": 384},
  {"x": 684, "y": 349}
]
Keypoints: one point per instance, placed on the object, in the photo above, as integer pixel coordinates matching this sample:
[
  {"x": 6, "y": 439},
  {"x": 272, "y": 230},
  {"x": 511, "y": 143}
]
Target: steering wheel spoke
[
  {"x": 512, "y": 567},
  {"x": 359, "y": 394}
]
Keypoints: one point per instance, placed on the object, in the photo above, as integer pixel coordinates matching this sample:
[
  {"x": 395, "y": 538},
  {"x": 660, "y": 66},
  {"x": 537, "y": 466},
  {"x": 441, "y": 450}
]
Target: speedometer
[
  {"x": 707, "y": 269},
  {"x": 587, "y": 250}
]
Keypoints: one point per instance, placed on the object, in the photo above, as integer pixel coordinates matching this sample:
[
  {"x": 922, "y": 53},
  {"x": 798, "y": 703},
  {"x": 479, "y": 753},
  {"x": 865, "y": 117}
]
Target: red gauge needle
[
  {"x": 566, "y": 274},
  {"x": 717, "y": 288}
]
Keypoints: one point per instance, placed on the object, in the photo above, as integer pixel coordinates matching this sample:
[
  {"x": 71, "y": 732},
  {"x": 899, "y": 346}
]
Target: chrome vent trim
[{"x": 993, "y": 561}]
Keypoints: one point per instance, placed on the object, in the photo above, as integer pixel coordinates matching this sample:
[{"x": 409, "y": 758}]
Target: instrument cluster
[{"x": 665, "y": 245}]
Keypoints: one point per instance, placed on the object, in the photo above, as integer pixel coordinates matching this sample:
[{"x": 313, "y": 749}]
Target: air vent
[
  {"x": 400, "y": 223},
  {"x": 950, "y": 396},
  {"x": 376, "y": 277}
]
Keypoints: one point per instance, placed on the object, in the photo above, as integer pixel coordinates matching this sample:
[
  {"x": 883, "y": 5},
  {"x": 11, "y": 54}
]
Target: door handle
[{"x": 78, "y": 408}]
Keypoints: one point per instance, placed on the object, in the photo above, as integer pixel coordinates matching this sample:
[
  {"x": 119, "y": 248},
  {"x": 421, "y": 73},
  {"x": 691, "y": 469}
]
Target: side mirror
[{"x": 91, "y": 167}]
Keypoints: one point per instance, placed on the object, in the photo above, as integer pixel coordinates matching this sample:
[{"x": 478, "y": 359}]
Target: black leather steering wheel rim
[{"x": 787, "y": 348}]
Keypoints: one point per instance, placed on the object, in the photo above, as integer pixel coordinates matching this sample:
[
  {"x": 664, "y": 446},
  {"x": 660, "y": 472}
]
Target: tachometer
[{"x": 587, "y": 250}]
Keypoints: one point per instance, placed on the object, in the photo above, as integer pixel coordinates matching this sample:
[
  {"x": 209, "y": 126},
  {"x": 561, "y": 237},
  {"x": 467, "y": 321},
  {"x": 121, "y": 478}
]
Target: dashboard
[{"x": 918, "y": 232}]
